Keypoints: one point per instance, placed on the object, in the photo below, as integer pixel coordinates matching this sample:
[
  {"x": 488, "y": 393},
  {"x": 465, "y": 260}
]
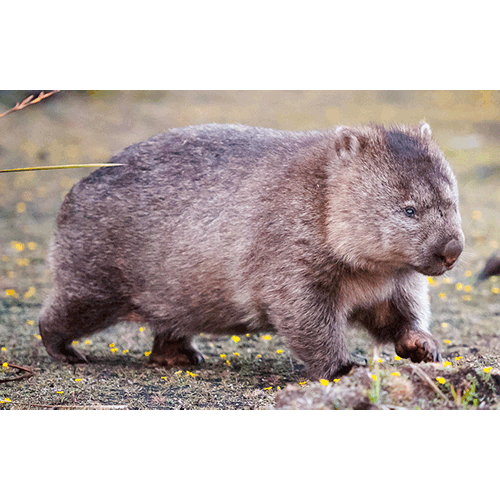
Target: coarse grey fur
[{"x": 229, "y": 228}]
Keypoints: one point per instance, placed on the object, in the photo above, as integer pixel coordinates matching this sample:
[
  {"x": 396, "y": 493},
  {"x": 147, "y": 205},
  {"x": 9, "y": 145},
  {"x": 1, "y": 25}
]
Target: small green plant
[{"x": 468, "y": 396}]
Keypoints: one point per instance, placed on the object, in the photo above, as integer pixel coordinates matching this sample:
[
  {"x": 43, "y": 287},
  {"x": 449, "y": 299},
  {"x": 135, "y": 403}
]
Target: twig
[
  {"x": 426, "y": 378},
  {"x": 28, "y": 374},
  {"x": 55, "y": 167},
  {"x": 79, "y": 407},
  {"x": 28, "y": 102}
]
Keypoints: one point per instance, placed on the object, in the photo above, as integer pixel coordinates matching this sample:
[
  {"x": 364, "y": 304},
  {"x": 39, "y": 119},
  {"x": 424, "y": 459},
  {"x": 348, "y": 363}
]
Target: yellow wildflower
[
  {"x": 147, "y": 353},
  {"x": 336, "y": 380},
  {"x": 324, "y": 382},
  {"x": 441, "y": 380},
  {"x": 78, "y": 379},
  {"x": 30, "y": 322},
  {"x": 247, "y": 335},
  {"x": 88, "y": 342},
  {"x": 268, "y": 388},
  {"x": 228, "y": 362},
  {"x": 459, "y": 286},
  {"x": 31, "y": 291},
  {"x": 380, "y": 360},
  {"x": 374, "y": 377},
  {"x": 223, "y": 356},
  {"x": 447, "y": 341},
  {"x": 5, "y": 365},
  {"x": 114, "y": 349},
  {"x": 447, "y": 279},
  {"x": 444, "y": 325},
  {"x": 467, "y": 288},
  {"x": 397, "y": 358},
  {"x": 17, "y": 245},
  {"x": 447, "y": 363},
  {"x": 37, "y": 336},
  {"x": 192, "y": 374},
  {"x": 279, "y": 351},
  {"x": 495, "y": 290},
  {"x": 259, "y": 356},
  {"x": 487, "y": 369},
  {"x": 458, "y": 358},
  {"x": 74, "y": 342},
  {"x": 59, "y": 392},
  {"x": 10, "y": 292},
  {"x": 236, "y": 353},
  {"x": 303, "y": 383},
  {"x": 125, "y": 351},
  {"x": 111, "y": 345},
  {"x": 178, "y": 372},
  {"x": 235, "y": 338},
  {"x": 266, "y": 337},
  {"x": 442, "y": 295},
  {"x": 141, "y": 329},
  {"x": 4, "y": 348},
  {"x": 468, "y": 274},
  {"x": 395, "y": 374},
  {"x": 164, "y": 378}
]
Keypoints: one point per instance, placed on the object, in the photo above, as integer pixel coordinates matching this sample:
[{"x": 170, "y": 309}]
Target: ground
[{"x": 257, "y": 371}]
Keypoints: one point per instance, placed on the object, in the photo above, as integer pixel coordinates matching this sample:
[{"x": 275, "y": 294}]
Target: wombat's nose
[{"x": 451, "y": 252}]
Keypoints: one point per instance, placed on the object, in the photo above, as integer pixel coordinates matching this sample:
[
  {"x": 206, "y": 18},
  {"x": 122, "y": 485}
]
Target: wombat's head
[{"x": 393, "y": 200}]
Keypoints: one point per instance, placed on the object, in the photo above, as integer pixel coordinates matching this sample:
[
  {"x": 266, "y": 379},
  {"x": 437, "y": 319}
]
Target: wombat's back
[{"x": 190, "y": 186}]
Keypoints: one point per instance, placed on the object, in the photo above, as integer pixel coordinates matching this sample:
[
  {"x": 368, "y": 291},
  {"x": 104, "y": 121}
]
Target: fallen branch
[
  {"x": 28, "y": 374},
  {"x": 28, "y": 102}
]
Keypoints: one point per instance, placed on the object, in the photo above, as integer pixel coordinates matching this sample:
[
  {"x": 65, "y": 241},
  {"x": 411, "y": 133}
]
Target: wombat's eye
[{"x": 410, "y": 211}]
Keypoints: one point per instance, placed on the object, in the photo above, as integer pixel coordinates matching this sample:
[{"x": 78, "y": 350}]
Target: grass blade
[{"x": 58, "y": 167}]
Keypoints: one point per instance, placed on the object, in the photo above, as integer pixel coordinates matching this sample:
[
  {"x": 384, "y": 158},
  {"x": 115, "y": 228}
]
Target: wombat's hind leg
[
  {"x": 174, "y": 352},
  {"x": 58, "y": 344},
  {"x": 63, "y": 320}
]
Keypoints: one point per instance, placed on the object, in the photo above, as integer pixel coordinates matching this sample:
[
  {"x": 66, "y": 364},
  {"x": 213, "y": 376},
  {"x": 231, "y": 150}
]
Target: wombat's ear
[
  {"x": 425, "y": 130},
  {"x": 346, "y": 142}
]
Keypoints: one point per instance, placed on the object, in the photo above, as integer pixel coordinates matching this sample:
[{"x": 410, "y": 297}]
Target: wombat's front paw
[{"x": 418, "y": 346}]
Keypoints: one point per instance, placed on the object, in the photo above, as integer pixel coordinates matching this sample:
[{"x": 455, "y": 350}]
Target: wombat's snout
[{"x": 450, "y": 252}]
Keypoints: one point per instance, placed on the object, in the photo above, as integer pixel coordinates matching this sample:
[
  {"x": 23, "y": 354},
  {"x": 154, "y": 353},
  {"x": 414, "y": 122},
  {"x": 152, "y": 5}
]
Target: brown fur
[{"x": 226, "y": 228}]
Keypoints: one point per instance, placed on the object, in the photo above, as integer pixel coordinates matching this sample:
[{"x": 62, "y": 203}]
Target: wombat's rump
[{"x": 228, "y": 228}]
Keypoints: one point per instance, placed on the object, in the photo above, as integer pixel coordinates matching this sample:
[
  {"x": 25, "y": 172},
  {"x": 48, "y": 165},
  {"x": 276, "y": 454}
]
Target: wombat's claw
[
  {"x": 418, "y": 346},
  {"x": 70, "y": 355}
]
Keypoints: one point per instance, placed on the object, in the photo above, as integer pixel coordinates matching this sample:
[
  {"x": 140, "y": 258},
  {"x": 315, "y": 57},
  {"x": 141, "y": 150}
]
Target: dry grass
[{"x": 28, "y": 102}]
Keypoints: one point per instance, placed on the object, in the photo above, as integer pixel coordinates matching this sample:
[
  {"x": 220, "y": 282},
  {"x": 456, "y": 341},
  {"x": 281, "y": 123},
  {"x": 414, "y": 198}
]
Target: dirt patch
[{"x": 415, "y": 387}]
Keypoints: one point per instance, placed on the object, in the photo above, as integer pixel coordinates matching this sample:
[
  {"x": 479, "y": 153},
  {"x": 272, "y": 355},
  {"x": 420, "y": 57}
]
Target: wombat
[
  {"x": 491, "y": 268},
  {"x": 229, "y": 228}
]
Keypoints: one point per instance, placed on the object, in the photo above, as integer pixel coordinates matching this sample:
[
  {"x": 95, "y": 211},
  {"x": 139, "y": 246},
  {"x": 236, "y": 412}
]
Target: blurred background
[{"x": 90, "y": 126}]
